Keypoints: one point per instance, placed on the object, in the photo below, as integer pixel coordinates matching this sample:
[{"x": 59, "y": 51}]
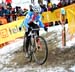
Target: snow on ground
[
  {"x": 19, "y": 42},
  {"x": 12, "y": 47},
  {"x": 6, "y": 55},
  {"x": 73, "y": 68},
  {"x": 29, "y": 69}
]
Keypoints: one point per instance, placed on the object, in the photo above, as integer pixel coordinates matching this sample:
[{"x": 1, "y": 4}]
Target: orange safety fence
[
  {"x": 4, "y": 44},
  {"x": 3, "y": 20}
]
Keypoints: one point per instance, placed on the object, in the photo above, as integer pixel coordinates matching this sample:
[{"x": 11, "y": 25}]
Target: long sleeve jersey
[{"x": 29, "y": 18}]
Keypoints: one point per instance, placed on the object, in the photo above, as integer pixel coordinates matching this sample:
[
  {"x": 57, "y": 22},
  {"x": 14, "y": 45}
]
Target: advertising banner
[
  {"x": 48, "y": 16},
  {"x": 71, "y": 21},
  {"x": 54, "y": 15},
  {"x": 10, "y": 31}
]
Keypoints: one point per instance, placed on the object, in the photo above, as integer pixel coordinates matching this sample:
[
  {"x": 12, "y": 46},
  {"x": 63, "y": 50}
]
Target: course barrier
[
  {"x": 55, "y": 15},
  {"x": 3, "y": 20},
  {"x": 52, "y": 17},
  {"x": 10, "y": 31},
  {"x": 71, "y": 20}
]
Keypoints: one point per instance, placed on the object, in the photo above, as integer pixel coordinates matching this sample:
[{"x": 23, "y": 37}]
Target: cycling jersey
[{"x": 30, "y": 17}]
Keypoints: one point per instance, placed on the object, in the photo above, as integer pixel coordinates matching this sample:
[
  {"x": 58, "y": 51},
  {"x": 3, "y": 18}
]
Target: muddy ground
[{"x": 56, "y": 56}]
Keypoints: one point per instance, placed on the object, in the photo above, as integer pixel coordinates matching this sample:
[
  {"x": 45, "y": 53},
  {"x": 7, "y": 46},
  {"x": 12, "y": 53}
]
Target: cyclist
[{"x": 30, "y": 21}]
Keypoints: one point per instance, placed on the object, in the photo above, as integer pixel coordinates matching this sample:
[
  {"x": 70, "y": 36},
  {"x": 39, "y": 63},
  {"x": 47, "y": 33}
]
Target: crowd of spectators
[
  {"x": 52, "y": 6},
  {"x": 10, "y": 13}
]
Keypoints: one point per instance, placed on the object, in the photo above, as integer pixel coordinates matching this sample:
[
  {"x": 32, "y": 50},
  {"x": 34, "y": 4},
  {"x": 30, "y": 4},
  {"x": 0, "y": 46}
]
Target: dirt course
[{"x": 57, "y": 57}]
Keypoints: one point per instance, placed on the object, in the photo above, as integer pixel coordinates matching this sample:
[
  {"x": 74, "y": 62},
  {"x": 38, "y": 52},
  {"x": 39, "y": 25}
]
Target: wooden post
[
  {"x": 63, "y": 35},
  {"x": 63, "y": 19}
]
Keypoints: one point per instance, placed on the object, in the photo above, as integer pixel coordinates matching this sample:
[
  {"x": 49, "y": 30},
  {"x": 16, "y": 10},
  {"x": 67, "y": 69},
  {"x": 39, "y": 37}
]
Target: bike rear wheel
[{"x": 41, "y": 53}]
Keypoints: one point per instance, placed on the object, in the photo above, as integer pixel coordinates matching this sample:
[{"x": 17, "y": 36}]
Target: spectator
[
  {"x": 54, "y": 6},
  {"x": 73, "y": 1},
  {"x": 48, "y": 1},
  {"x": 70, "y": 1},
  {"x": 25, "y": 11},
  {"x": 17, "y": 11},
  {"x": 49, "y": 7},
  {"x": 20, "y": 12},
  {"x": 7, "y": 13},
  {"x": 59, "y": 5},
  {"x": 63, "y": 2},
  {"x": 13, "y": 14},
  {"x": 3, "y": 4},
  {"x": 1, "y": 12},
  {"x": 43, "y": 8},
  {"x": 30, "y": 6}
]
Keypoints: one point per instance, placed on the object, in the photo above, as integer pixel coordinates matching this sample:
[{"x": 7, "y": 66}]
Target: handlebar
[
  {"x": 36, "y": 29},
  {"x": 32, "y": 32}
]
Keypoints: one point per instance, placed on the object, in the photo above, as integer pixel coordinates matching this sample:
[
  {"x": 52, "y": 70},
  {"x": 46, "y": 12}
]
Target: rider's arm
[
  {"x": 40, "y": 22},
  {"x": 26, "y": 20}
]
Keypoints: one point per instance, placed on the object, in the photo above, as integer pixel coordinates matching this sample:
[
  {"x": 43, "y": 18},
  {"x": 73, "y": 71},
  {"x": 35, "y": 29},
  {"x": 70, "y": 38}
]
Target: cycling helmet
[
  {"x": 63, "y": 11},
  {"x": 36, "y": 8}
]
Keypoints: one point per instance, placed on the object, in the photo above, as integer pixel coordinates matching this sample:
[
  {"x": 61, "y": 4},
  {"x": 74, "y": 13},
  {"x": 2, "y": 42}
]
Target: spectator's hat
[
  {"x": 63, "y": 11},
  {"x": 50, "y": 4}
]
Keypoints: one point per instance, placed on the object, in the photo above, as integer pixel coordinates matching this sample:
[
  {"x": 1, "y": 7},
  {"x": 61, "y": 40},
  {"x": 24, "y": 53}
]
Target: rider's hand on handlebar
[
  {"x": 45, "y": 28},
  {"x": 29, "y": 28},
  {"x": 20, "y": 28}
]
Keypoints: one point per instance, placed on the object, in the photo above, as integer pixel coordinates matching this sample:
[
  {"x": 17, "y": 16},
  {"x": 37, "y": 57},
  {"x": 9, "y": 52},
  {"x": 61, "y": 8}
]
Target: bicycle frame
[
  {"x": 37, "y": 45},
  {"x": 33, "y": 35}
]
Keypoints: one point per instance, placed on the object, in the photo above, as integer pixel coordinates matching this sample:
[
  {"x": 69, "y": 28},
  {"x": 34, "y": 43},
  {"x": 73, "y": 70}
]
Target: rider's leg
[
  {"x": 27, "y": 41},
  {"x": 37, "y": 44},
  {"x": 27, "y": 44}
]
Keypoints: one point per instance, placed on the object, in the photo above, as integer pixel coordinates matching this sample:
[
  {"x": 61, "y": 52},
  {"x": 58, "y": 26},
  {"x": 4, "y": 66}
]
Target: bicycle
[{"x": 37, "y": 47}]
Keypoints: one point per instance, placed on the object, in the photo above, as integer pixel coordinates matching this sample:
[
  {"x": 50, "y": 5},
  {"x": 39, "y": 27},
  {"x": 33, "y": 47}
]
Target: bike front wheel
[{"x": 41, "y": 53}]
